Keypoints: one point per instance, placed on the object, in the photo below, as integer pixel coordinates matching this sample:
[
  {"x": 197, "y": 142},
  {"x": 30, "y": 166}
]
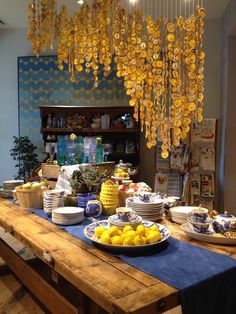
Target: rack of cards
[{"x": 202, "y": 163}]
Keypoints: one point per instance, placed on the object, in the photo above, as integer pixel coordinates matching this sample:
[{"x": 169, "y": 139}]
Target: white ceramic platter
[
  {"x": 211, "y": 238},
  {"x": 89, "y": 233}
]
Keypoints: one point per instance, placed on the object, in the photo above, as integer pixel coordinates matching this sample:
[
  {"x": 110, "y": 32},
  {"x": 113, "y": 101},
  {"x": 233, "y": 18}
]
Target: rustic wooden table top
[{"x": 114, "y": 285}]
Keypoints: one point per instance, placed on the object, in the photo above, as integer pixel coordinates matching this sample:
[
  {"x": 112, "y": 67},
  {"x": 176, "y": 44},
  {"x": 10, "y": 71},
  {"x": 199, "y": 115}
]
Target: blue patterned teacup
[
  {"x": 200, "y": 227},
  {"x": 125, "y": 213},
  {"x": 198, "y": 214}
]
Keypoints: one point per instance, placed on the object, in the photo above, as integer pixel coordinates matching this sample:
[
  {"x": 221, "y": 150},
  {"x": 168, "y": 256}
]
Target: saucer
[{"x": 114, "y": 220}]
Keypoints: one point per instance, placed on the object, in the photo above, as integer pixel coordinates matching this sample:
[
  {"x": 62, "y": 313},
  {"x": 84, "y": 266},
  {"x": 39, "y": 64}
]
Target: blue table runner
[{"x": 206, "y": 280}]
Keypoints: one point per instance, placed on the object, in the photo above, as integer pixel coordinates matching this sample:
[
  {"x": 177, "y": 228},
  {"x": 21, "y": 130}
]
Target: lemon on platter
[
  {"x": 131, "y": 233},
  {"x": 112, "y": 231},
  {"x": 99, "y": 231},
  {"x": 153, "y": 236},
  {"x": 116, "y": 240},
  {"x": 105, "y": 238},
  {"x": 128, "y": 241},
  {"x": 139, "y": 240},
  {"x": 127, "y": 228},
  {"x": 141, "y": 230}
]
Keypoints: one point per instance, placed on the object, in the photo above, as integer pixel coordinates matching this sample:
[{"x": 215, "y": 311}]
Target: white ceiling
[{"x": 14, "y": 12}]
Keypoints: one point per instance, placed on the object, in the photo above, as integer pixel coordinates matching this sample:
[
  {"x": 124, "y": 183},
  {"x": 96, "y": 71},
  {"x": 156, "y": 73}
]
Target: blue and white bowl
[{"x": 199, "y": 227}]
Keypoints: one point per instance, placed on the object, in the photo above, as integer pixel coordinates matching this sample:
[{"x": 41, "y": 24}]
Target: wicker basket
[{"x": 30, "y": 199}]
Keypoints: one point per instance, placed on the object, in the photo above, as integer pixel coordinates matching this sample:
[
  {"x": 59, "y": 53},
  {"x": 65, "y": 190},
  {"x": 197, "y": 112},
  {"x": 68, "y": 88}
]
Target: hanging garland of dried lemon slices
[{"x": 161, "y": 62}]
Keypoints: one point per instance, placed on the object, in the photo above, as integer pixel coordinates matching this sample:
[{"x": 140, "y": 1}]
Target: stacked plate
[
  {"x": 67, "y": 215},
  {"x": 52, "y": 199},
  {"x": 151, "y": 210},
  {"x": 179, "y": 214}
]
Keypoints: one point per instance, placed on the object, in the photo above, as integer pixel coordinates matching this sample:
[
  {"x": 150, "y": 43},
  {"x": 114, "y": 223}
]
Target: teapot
[{"x": 223, "y": 222}]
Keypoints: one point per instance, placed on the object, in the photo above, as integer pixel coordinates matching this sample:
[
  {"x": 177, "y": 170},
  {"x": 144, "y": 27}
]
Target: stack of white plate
[
  {"x": 152, "y": 210},
  {"x": 67, "y": 215},
  {"x": 53, "y": 199},
  {"x": 179, "y": 214}
]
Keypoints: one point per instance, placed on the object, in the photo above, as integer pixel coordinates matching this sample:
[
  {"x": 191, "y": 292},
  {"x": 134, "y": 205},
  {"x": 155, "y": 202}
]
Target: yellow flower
[{"x": 73, "y": 137}]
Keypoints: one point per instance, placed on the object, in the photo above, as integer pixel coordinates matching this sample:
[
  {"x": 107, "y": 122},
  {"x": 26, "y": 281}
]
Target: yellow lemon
[
  {"x": 141, "y": 230},
  {"x": 128, "y": 241},
  {"x": 144, "y": 239},
  {"x": 131, "y": 233},
  {"x": 154, "y": 228},
  {"x": 123, "y": 236},
  {"x": 112, "y": 231},
  {"x": 153, "y": 236},
  {"x": 127, "y": 228},
  {"x": 99, "y": 231},
  {"x": 116, "y": 240},
  {"x": 105, "y": 238},
  {"x": 138, "y": 240}
]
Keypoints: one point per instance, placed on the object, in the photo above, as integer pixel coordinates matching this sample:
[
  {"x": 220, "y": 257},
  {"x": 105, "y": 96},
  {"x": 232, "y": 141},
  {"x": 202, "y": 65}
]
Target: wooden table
[{"x": 74, "y": 277}]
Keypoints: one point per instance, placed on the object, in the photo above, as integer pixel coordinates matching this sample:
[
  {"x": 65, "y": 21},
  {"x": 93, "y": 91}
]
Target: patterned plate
[{"x": 89, "y": 233}]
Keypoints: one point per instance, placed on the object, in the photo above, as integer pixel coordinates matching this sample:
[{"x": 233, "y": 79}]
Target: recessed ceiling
[{"x": 14, "y": 12}]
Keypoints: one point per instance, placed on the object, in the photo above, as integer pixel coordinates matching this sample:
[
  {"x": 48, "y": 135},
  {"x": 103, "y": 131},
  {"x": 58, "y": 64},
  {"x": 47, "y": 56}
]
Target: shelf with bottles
[
  {"x": 89, "y": 130},
  {"x": 84, "y": 119}
]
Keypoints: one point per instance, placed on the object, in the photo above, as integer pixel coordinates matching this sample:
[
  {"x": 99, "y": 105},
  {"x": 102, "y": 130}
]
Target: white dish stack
[
  {"x": 53, "y": 199},
  {"x": 179, "y": 214},
  {"x": 152, "y": 210},
  {"x": 67, "y": 215}
]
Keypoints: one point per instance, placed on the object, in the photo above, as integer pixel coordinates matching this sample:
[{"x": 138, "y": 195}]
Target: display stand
[{"x": 202, "y": 165}]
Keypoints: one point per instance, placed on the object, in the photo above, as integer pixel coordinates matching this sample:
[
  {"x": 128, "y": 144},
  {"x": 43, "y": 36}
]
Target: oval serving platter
[
  {"x": 211, "y": 237},
  {"x": 89, "y": 233}
]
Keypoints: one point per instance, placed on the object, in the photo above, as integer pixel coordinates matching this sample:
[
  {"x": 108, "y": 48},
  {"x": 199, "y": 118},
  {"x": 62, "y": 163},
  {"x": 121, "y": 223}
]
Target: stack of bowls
[
  {"x": 109, "y": 198},
  {"x": 53, "y": 199},
  {"x": 179, "y": 214}
]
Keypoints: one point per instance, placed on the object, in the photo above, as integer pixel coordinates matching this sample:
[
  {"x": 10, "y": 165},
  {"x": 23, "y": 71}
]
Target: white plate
[
  {"x": 68, "y": 210},
  {"x": 211, "y": 238},
  {"x": 89, "y": 233}
]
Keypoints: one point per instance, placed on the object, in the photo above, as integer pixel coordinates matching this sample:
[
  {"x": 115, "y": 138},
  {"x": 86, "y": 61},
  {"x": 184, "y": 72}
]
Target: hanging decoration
[{"x": 161, "y": 59}]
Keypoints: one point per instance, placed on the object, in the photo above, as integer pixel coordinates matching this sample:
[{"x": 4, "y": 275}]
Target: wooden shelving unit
[{"x": 116, "y": 135}]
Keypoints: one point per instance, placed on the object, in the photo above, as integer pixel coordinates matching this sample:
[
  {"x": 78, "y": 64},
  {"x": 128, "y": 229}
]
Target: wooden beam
[{"x": 53, "y": 301}]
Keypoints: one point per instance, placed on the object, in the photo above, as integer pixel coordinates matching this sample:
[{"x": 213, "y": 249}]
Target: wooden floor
[{"x": 14, "y": 298}]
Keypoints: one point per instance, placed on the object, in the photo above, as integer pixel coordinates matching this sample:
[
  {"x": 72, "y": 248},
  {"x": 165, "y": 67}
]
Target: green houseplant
[
  {"x": 86, "y": 179},
  {"x": 23, "y": 152}
]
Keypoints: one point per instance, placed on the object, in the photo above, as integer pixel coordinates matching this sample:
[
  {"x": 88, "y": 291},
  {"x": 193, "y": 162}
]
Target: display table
[{"x": 81, "y": 278}]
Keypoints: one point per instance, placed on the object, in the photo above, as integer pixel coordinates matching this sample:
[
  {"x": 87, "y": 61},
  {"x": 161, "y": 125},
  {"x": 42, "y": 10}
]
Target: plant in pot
[
  {"x": 24, "y": 153},
  {"x": 85, "y": 182}
]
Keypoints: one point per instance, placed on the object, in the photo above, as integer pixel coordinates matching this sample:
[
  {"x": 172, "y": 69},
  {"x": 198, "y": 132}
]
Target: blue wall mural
[{"x": 41, "y": 83}]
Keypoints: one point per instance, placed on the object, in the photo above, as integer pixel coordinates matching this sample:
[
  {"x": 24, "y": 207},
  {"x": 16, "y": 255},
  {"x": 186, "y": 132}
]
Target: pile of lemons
[{"x": 128, "y": 235}]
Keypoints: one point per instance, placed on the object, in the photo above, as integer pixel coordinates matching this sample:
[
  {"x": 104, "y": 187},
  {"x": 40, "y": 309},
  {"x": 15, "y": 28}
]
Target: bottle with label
[
  {"x": 99, "y": 150},
  {"x": 61, "y": 150}
]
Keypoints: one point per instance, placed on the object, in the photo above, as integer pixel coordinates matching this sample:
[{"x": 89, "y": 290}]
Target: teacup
[
  {"x": 198, "y": 214},
  {"x": 125, "y": 213},
  {"x": 200, "y": 227}
]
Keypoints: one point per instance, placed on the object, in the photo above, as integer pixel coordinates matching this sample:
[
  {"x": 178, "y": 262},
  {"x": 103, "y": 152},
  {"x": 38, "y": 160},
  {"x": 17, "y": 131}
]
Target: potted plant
[
  {"x": 85, "y": 181},
  {"x": 24, "y": 153}
]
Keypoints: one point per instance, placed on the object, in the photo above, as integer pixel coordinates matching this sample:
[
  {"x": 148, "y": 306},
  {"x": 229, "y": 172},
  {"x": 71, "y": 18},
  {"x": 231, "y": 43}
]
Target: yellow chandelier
[{"x": 161, "y": 61}]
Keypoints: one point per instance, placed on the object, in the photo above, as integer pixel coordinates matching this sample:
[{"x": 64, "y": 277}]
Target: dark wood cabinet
[{"x": 122, "y": 132}]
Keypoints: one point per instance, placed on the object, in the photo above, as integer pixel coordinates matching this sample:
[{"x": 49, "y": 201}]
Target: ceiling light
[{"x": 80, "y": 2}]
